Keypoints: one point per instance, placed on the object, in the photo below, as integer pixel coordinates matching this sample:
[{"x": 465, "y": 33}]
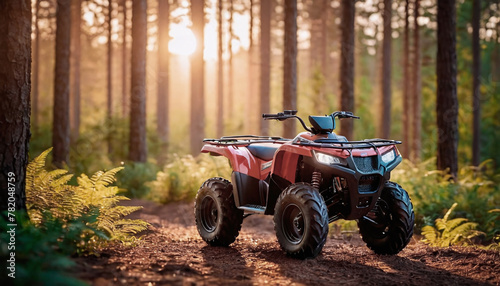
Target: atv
[{"x": 306, "y": 183}]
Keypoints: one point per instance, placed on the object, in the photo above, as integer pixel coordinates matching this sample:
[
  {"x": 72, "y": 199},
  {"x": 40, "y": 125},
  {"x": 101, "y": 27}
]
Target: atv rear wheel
[
  {"x": 217, "y": 219},
  {"x": 301, "y": 221},
  {"x": 390, "y": 225}
]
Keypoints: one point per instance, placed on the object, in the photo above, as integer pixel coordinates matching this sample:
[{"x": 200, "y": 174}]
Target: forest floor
[{"x": 172, "y": 253}]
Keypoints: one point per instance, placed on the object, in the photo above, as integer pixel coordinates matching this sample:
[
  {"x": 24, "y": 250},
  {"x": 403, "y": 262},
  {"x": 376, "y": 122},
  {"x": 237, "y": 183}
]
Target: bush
[
  {"x": 476, "y": 192},
  {"x": 183, "y": 176},
  {"x": 134, "y": 177}
]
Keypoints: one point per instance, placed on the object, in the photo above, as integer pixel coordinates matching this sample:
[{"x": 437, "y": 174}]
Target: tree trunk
[
  {"x": 325, "y": 59},
  {"x": 163, "y": 76},
  {"x": 138, "y": 147},
  {"x": 36, "y": 70},
  {"x": 250, "y": 114},
  {"x": 124, "y": 61},
  {"x": 230, "y": 101},
  {"x": 61, "y": 128},
  {"x": 76, "y": 18},
  {"x": 290, "y": 66},
  {"x": 347, "y": 66},
  {"x": 15, "y": 70},
  {"x": 405, "y": 148},
  {"x": 109, "y": 110},
  {"x": 197, "y": 78},
  {"x": 265, "y": 63},
  {"x": 385, "y": 120},
  {"x": 220, "y": 74},
  {"x": 416, "y": 111},
  {"x": 476, "y": 71},
  {"x": 447, "y": 102}
]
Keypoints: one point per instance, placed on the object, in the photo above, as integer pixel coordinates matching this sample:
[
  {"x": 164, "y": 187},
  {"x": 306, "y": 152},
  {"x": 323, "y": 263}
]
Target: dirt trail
[{"x": 172, "y": 253}]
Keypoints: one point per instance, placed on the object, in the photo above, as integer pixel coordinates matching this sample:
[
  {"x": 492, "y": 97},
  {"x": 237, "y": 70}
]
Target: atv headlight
[
  {"x": 389, "y": 156},
  {"x": 327, "y": 159}
]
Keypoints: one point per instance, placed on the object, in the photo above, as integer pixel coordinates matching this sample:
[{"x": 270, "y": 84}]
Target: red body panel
[{"x": 241, "y": 159}]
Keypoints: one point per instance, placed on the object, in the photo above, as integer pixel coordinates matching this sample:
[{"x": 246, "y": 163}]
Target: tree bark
[
  {"x": 75, "y": 55},
  {"x": 163, "y": 76},
  {"x": 406, "y": 147},
  {"x": 124, "y": 61},
  {"x": 138, "y": 147},
  {"x": 36, "y": 70},
  {"x": 109, "y": 110},
  {"x": 447, "y": 102},
  {"x": 197, "y": 78},
  {"x": 476, "y": 72},
  {"x": 416, "y": 85},
  {"x": 385, "y": 120},
  {"x": 347, "y": 66},
  {"x": 220, "y": 74},
  {"x": 265, "y": 63},
  {"x": 61, "y": 128},
  {"x": 290, "y": 66},
  {"x": 15, "y": 70}
]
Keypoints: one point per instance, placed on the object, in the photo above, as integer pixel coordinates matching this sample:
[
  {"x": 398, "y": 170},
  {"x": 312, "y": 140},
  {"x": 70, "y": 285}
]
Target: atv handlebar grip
[{"x": 267, "y": 115}]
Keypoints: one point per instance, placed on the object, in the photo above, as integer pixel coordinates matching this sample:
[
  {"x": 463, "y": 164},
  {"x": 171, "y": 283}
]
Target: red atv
[{"x": 306, "y": 183}]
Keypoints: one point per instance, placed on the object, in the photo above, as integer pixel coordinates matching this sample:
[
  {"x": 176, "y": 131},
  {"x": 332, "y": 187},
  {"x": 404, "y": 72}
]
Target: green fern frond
[{"x": 458, "y": 231}]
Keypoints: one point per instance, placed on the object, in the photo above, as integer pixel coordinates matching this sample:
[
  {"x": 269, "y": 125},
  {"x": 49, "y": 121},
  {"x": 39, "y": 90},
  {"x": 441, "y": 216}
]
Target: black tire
[
  {"x": 394, "y": 219},
  {"x": 301, "y": 221},
  {"x": 217, "y": 219}
]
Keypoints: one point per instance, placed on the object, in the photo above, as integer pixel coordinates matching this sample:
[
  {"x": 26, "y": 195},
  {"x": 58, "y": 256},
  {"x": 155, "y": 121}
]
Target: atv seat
[{"x": 263, "y": 151}]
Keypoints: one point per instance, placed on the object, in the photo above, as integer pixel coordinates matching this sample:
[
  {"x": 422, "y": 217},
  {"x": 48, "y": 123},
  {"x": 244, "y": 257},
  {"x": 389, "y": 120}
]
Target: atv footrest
[{"x": 253, "y": 209}]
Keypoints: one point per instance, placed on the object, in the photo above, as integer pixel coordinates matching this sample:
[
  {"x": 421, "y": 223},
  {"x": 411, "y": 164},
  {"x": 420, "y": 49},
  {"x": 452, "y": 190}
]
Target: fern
[
  {"x": 48, "y": 192},
  {"x": 458, "y": 231}
]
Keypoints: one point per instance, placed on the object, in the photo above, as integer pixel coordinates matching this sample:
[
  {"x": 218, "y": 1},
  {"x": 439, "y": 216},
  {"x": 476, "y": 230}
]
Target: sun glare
[{"x": 183, "y": 40}]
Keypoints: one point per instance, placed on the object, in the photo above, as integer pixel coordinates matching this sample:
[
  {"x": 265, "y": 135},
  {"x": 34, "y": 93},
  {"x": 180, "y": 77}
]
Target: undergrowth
[
  {"x": 182, "y": 177},
  {"x": 66, "y": 219},
  {"x": 476, "y": 194}
]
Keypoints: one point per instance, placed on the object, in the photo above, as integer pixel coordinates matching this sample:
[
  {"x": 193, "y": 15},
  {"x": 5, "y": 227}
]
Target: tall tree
[
  {"x": 290, "y": 66},
  {"x": 124, "y": 60},
  {"x": 75, "y": 55},
  {"x": 230, "y": 82},
  {"x": 36, "y": 68},
  {"x": 476, "y": 95},
  {"x": 347, "y": 66},
  {"x": 385, "y": 76},
  {"x": 406, "y": 147},
  {"x": 163, "y": 75},
  {"x": 265, "y": 63},
  {"x": 109, "y": 109},
  {"x": 15, "y": 70},
  {"x": 138, "y": 147},
  {"x": 447, "y": 102},
  {"x": 250, "y": 114},
  {"x": 61, "y": 128},
  {"x": 197, "y": 130},
  {"x": 416, "y": 86},
  {"x": 220, "y": 73}
]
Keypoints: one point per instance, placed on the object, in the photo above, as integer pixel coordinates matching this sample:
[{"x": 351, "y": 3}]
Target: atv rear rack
[{"x": 245, "y": 140}]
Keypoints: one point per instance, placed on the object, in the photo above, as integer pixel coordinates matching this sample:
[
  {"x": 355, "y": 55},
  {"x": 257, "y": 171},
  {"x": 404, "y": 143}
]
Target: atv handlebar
[
  {"x": 284, "y": 116},
  {"x": 292, "y": 114}
]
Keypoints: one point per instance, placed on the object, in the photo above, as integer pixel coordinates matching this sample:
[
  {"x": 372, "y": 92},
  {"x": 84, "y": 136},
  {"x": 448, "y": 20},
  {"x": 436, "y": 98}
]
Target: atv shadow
[
  {"x": 329, "y": 268},
  {"x": 227, "y": 264}
]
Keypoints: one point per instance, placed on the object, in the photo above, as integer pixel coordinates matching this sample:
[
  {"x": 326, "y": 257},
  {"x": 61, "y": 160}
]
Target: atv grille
[
  {"x": 366, "y": 164},
  {"x": 369, "y": 184}
]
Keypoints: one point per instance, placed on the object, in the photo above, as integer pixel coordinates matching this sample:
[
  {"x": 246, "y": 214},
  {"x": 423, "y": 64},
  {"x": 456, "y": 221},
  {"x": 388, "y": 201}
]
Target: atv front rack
[
  {"x": 333, "y": 143},
  {"x": 245, "y": 140}
]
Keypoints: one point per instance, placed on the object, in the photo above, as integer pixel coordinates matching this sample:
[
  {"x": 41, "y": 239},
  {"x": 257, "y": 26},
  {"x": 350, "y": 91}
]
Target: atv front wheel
[
  {"x": 389, "y": 226},
  {"x": 217, "y": 219},
  {"x": 301, "y": 221}
]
